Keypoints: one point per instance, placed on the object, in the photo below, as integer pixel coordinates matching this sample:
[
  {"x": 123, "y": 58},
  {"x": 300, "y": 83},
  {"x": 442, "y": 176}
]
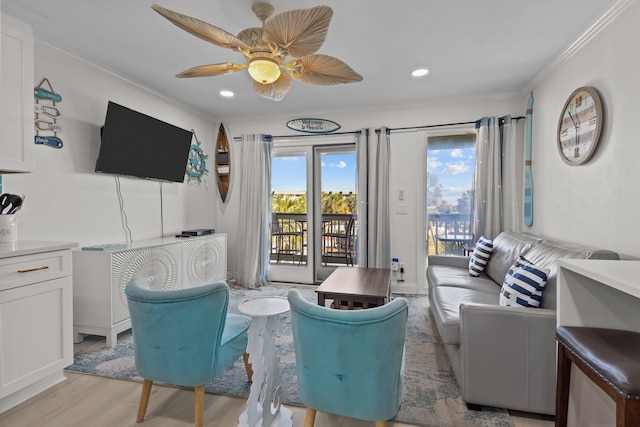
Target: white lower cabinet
[
  {"x": 35, "y": 320},
  {"x": 100, "y": 304}
]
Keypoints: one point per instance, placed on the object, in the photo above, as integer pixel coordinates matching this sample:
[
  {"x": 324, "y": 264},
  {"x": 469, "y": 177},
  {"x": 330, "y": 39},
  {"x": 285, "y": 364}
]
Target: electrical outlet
[
  {"x": 394, "y": 264},
  {"x": 402, "y": 267}
]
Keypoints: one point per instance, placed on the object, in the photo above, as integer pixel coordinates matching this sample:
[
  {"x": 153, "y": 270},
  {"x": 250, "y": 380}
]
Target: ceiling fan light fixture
[
  {"x": 263, "y": 70},
  {"x": 420, "y": 72}
]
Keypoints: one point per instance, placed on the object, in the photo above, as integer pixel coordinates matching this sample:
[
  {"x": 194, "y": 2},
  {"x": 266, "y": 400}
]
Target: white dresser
[
  {"x": 36, "y": 335},
  {"x": 100, "y": 276}
]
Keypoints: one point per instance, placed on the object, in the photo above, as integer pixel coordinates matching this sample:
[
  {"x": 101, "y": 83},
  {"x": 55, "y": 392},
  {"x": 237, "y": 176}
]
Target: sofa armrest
[
  {"x": 449, "y": 260},
  {"x": 507, "y": 357}
]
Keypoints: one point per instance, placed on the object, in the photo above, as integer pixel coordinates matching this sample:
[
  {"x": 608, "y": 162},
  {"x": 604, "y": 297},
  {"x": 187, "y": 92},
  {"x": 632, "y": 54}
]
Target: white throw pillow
[
  {"x": 480, "y": 256},
  {"x": 523, "y": 284}
]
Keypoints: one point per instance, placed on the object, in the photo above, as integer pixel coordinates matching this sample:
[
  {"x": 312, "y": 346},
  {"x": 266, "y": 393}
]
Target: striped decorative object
[
  {"x": 480, "y": 256},
  {"x": 523, "y": 284}
]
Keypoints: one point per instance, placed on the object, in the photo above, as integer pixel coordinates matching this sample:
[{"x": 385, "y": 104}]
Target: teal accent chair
[
  {"x": 349, "y": 362},
  {"x": 184, "y": 337}
]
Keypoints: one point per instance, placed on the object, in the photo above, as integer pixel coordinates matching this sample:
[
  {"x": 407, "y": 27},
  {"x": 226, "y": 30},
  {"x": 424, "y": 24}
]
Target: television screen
[{"x": 139, "y": 145}]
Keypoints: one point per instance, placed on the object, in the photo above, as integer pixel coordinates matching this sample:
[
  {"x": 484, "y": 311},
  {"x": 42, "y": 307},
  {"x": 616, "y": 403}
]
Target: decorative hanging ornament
[{"x": 197, "y": 163}]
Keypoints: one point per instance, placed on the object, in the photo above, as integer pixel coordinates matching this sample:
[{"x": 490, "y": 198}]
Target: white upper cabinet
[{"x": 16, "y": 96}]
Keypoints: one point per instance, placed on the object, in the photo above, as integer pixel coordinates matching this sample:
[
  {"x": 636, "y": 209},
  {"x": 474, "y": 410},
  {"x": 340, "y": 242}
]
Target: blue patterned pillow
[
  {"x": 480, "y": 256},
  {"x": 523, "y": 284}
]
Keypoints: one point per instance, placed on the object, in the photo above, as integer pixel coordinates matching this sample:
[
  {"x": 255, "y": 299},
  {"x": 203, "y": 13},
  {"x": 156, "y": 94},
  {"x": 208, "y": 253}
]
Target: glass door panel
[
  {"x": 336, "y": 201},
  {"x": 291, "y": 256},
  {"x": 450, "y": 172}
]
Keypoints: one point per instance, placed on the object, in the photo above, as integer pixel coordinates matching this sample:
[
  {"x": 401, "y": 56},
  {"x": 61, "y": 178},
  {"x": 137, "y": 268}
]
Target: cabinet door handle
[{"x": 44, "y": 267}]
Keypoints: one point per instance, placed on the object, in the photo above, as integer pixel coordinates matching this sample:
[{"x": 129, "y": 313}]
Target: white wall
[
  {"x": 407, "y": 170},
  {"x": 596, "y": 203},
  {"x": 66, "y": 200}
]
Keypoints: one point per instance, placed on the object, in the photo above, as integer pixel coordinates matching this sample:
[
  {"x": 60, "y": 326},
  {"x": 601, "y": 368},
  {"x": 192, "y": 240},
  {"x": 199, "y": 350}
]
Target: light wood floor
[{"x": 86, "y": 400}]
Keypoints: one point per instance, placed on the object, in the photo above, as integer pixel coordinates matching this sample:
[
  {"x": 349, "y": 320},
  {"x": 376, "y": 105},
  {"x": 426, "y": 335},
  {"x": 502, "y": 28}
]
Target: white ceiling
[{"x": 471, "y": 47}]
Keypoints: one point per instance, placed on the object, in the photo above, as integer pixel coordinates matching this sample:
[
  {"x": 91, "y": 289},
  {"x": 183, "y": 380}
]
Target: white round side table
[{"x": 264, "y": 407}]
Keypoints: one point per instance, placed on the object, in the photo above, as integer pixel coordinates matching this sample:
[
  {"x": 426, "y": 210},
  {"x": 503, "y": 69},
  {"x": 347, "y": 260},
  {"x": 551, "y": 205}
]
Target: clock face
[{"x": 580, "y": 126}]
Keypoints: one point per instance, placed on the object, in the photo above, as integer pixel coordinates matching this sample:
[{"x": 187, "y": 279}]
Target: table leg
[
  {"x": 265, "y": 394},
  {"x": 321, "y": 299}
]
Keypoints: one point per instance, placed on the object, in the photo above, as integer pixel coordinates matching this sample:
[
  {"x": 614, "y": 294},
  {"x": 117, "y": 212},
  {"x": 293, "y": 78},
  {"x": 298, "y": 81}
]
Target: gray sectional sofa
[{"x": 502, "y": 356}]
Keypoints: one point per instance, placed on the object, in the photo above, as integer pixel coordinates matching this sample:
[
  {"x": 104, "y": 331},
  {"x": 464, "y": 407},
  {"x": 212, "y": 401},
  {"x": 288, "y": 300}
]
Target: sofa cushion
[
  {"x": 443, "y": 275},
  {"x": 507, "y": 247},
  {"x": 480, "y": 256},
  {"x": 546, "y": 253},
  {"x": 523, "y": 285},
  {"x": 446, "y": 308}
]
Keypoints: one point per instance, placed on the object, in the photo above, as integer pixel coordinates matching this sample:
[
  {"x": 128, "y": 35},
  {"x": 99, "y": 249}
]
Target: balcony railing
[
  {"x": 449, "y": 234},
  {"x": 289, "y": 239}
]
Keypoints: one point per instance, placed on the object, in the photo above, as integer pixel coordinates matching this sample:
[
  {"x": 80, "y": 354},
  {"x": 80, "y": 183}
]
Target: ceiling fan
[{"x": 294, "y": 34}]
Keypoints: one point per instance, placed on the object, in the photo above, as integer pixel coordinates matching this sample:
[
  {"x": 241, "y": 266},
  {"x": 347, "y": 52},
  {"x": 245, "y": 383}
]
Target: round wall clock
[{"x": 580, "y": 126}]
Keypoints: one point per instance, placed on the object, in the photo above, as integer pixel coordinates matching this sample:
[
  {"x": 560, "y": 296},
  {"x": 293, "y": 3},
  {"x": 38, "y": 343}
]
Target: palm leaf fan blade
[
  {"x": 325, "y": 70},
  {"x": 212, "y": 70},
  {"x": 301, "y": 31},
  {"x": 276, "y": 90},
  {"x": 201, "y": 29}
]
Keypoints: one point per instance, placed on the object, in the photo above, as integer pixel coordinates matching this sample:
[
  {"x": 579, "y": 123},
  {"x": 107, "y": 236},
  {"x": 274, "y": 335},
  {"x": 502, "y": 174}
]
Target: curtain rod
[
  {"x": 442, "y": 125},
  {"x": 239, "y": 138}
]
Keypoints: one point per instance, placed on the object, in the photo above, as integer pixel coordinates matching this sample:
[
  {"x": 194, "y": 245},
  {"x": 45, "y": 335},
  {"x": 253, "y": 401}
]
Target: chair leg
[
  {"x": 144, "y": 400},
  {"x": 199, "y": 406},
  {"x": 247, "y": 366},
  {"x": 381, "y": 423},
  {"x": 310, "y": 417},
  {"x": 563, "y": 378},
  {"x": 627, "y": 412}
]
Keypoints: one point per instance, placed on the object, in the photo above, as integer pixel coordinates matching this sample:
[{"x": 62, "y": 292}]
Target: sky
[
  {"x": 338, "y": 173},
  {"x": 454, "y": 168}
]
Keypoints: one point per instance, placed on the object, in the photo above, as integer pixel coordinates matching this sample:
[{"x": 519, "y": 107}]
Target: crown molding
[{"x": 592, "y": 31}]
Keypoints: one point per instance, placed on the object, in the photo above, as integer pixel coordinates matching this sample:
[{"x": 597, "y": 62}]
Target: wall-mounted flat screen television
[{"x": 138, "y": 145}]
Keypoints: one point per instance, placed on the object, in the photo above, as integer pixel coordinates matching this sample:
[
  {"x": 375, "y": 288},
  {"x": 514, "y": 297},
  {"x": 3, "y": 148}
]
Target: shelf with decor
[{"x": 223, "y": 162}]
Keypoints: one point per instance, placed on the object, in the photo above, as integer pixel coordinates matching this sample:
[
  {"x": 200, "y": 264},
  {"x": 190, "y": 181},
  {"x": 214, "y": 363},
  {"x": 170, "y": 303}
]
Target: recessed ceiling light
[
  {"x": 226, "y": 93},
  {"x": 420, "y": 72}
]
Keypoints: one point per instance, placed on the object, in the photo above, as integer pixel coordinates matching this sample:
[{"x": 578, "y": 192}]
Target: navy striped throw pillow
[
  {"x": 480, "y": 256},
  {"x": 523, "y": 284}
]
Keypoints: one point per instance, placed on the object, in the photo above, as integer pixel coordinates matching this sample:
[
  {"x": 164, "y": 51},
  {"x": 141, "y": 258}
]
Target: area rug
[{"x": 431, "y": 396}]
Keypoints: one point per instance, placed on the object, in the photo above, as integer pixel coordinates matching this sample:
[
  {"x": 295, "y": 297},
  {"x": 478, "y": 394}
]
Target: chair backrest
[
  {"x": 350, "y": 362},
  {"x": 177, "y": 333}
]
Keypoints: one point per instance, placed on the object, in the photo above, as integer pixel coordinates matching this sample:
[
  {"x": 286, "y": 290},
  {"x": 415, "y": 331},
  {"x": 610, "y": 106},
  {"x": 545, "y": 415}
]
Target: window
[{"x": 450, "y": 172}]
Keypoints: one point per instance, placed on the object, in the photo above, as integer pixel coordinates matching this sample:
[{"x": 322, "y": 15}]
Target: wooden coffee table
[{"x": 356, "y": 287}]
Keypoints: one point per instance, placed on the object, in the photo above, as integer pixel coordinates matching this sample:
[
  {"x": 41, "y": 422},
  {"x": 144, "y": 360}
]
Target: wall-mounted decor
[
  {"x": 313, "y": 125},
  {"x": 47, "y": 115},
  {"x": 528, "y": 173},
  {"x": 197, "y": 163},
  {"x": 580, "y": 126},
  {"x": 223, "y": 162}
]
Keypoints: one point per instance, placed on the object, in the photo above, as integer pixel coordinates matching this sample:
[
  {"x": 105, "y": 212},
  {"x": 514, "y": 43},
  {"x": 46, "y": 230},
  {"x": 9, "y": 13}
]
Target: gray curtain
[
  {"x": 373, "y": 152},
  {"x": 498, "y": 176},
  {"x": 513, "y": 154},
  {"x": 254, "y": 220}
]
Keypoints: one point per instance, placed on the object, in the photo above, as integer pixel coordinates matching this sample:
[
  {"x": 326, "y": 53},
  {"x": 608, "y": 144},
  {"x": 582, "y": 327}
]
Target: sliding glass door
[
  {"x": 314, "y": 226},
  {"x": 291, "y": 255},
  {"x": 336, "y": 201},
  {"x": 450, "y": 172}
]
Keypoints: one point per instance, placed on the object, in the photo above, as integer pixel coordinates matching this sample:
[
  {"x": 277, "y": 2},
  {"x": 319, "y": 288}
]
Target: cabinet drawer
[{"x": 28, "y": 269}]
